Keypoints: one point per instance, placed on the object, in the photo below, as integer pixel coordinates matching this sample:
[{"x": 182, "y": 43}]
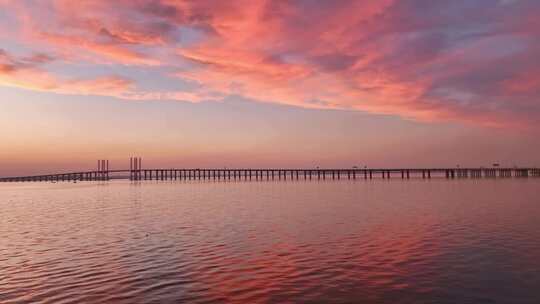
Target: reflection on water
[{"x": 417, "y": 241}]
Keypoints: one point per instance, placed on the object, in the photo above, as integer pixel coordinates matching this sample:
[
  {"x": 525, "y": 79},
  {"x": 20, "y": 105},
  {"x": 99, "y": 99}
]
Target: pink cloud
[
  {"x": 29, "y": 73},
  {"x": 433, "y": 61}
]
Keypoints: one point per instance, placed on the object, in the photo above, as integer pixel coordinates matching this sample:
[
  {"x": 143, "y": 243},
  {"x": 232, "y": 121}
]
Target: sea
[{"x": 294, "y": 241}]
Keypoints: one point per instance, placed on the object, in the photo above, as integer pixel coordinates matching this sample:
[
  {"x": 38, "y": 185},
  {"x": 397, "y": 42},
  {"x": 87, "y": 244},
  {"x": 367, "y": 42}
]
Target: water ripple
[{"x": 274, "y": 242}]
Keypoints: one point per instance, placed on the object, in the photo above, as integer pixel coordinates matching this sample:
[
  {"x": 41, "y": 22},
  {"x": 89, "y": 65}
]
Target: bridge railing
[{"x": 137, "y": 173}]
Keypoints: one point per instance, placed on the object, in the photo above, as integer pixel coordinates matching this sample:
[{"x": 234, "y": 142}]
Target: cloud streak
[
  {"x": 28, "y": 73},
  {"x": 468, "y": 61}
]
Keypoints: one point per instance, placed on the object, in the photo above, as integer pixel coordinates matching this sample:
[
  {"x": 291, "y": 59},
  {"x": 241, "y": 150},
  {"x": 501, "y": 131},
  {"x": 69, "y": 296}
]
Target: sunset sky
[{"x": 259, "y": 83}]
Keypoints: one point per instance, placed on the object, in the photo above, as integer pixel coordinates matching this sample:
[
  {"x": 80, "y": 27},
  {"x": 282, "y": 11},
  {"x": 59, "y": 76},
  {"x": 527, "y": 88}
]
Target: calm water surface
[{"x": 437, "y": 241}]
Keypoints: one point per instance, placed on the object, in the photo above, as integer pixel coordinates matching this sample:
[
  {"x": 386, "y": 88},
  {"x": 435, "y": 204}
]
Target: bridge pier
[{"x": 136, "y": 173}]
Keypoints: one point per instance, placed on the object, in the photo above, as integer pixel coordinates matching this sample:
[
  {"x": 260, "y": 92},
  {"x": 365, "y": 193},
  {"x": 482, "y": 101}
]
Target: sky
[{"x": 259, "y": 83}]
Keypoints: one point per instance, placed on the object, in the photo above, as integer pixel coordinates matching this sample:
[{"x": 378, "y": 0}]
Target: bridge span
[{"x": 139, "y": 174}]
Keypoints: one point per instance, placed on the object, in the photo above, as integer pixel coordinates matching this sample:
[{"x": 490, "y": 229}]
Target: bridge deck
[{"x": 280, "y": 173}]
